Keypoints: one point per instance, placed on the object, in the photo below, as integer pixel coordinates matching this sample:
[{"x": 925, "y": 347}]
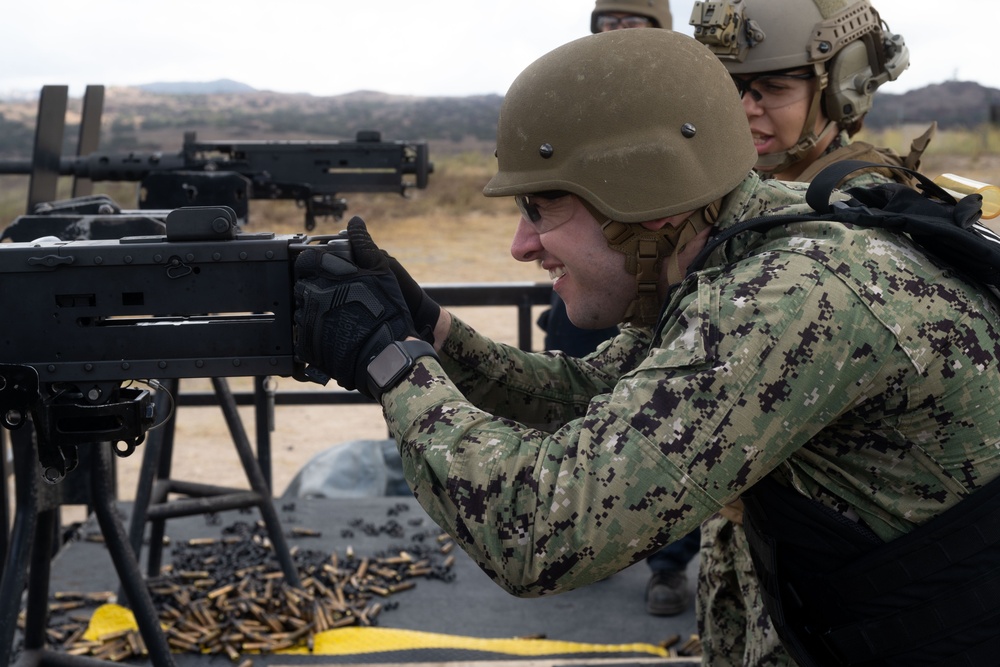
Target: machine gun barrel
[
  {"x": 366, "y": 165},
  {"x": 105, "y": 167}
]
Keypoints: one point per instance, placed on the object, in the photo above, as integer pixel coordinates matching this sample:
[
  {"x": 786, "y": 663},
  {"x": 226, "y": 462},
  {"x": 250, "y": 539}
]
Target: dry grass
[
  {"x": 455, "y": 187},
  {"x": 973, "y": 154},
  {"x": 454, "y": 190}
]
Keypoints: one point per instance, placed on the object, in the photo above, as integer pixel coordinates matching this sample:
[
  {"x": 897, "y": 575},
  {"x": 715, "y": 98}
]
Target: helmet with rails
[
  {"x": 639, "y": 124},
  {"x": 844, "y": 42},
  {"x": 658, "y": 11}
]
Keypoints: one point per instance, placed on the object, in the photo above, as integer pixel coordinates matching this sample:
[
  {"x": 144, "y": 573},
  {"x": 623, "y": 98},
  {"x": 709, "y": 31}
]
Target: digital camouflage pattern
[
  {"x": 734, "y": 627},
  {"x": 841, "y": 360}
]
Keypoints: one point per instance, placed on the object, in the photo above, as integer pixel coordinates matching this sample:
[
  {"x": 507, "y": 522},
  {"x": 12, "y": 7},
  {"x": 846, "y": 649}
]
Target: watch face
[{"x": 386, "y": 367}]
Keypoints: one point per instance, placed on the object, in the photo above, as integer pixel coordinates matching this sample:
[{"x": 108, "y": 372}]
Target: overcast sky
[{"x": 407, "y": 47}]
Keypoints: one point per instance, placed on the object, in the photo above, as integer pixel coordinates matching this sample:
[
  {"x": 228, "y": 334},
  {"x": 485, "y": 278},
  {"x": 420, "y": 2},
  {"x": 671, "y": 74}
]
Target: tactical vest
[{"x": 836, "y": 593}]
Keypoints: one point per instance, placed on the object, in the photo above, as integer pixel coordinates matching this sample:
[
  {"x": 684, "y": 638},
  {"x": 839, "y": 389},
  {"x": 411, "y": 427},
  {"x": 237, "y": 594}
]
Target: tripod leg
[
  {"x": 125, "y": 561},
  {"x": 256, "y": 477},
  {"x": 15, "y": 571},
  {"x": 149, "y": 472}
]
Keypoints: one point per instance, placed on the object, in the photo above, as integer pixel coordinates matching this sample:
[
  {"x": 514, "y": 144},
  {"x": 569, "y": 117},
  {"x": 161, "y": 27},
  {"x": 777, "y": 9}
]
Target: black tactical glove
[
  {"x": 346, "y": 313},
  {"x": 423, "y": 310}
]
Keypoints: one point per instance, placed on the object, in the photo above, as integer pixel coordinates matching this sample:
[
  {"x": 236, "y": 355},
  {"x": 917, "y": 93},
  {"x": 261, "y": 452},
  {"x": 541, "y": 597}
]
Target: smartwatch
[{"x": 394, "y": 363}]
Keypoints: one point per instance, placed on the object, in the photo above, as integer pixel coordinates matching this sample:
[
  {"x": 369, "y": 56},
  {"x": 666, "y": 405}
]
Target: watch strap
[{"x": 410, "y": 351}]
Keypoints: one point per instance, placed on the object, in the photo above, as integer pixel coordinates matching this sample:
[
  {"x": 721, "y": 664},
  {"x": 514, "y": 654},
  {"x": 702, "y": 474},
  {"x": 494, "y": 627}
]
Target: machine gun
[
  {"x": 85, "y": 318},
  {"x": 229, "y": 173}
]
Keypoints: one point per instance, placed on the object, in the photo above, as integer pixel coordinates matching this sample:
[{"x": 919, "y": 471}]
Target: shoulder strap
[
  {"x": 858, "y": 150},
  {"x": 883, "y": 157},
  {"x": 823, "y": 185},
  {"x": 944, "y": 227}
]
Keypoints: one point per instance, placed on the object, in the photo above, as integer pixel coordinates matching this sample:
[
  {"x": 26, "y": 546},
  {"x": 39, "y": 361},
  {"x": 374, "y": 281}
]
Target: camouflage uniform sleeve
[
  {"x": 546, "y": 389},
  {"x": 865, "y": 180}
]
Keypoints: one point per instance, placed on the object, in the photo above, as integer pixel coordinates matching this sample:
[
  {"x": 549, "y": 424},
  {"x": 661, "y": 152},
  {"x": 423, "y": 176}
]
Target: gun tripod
[{"x": 36, "y": 517}]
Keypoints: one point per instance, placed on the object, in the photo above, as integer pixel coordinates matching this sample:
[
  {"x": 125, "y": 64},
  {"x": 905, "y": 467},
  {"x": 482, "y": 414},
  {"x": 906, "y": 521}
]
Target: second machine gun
[{"x": 228, "y": 173}]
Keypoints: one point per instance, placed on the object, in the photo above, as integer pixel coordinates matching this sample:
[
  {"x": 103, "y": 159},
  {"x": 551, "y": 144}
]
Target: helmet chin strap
[
  {"x": 775, "y": 163},
  {"x": 646, "y": 249}
]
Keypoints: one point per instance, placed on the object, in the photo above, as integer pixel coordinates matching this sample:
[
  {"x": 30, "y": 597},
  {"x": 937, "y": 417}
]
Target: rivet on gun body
[{"x": 243, "y": 255}]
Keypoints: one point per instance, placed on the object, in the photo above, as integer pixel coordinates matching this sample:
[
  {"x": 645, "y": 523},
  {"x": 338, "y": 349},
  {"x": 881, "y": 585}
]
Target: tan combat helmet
[
  {"x": 640, "y": 124},
  {"x": 845, "y": 43},
  {"x": 658, "y": 11}
]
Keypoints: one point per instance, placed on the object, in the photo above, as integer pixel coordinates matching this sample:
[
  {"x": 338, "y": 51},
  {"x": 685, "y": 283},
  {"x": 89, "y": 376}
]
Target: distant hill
[
  {"x": 221, "y": 86},
  {"x": 952, "y": 104},
  {"x": 156, "y": 116},
  {"x": 136, "y": 119}
]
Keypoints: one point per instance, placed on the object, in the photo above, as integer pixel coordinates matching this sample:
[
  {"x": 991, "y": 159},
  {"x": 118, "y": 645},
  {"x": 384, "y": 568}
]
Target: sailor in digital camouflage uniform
[
  {"x": 803, "y": 106},
  {"x": 843, "y": 363}
]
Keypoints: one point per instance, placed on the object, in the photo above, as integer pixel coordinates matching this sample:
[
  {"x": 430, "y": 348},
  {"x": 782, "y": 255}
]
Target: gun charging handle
[{"x": 340, "y": 246}]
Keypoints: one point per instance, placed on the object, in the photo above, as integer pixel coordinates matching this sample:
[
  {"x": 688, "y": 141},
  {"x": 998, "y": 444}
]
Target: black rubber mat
[{"x": 603, "y": 621}]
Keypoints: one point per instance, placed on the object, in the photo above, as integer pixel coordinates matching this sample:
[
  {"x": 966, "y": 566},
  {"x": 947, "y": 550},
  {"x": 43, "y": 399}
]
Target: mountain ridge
[{"x": 950, "y": 103}]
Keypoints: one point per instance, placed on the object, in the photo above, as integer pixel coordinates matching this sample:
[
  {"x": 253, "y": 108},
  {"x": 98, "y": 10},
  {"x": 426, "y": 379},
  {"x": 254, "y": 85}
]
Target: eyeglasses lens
[{"x": 773, "y": 91}]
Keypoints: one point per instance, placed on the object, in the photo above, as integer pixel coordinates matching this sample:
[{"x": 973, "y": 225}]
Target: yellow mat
[{"x": 110, "y": 619}]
